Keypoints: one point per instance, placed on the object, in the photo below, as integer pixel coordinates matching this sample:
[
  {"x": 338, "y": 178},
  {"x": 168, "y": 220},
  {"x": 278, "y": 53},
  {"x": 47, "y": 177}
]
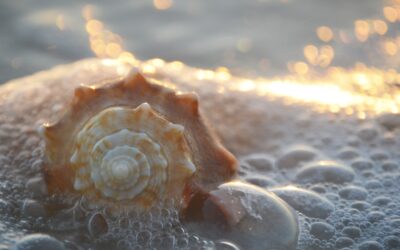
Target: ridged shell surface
[{"x": 131, "y": 154}]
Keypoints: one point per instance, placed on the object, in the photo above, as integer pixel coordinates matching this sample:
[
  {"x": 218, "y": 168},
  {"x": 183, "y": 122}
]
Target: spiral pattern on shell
[{"x": 131, "y": 158}]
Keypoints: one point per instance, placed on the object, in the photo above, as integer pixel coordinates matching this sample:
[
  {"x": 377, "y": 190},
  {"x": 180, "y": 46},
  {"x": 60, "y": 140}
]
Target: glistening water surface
[{"x": 264, "y": 37}]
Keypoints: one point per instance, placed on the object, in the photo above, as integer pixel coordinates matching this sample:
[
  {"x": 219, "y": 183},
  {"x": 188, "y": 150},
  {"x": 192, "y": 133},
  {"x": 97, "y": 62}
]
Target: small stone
[
  {"x": 395, "y": 223},
  {"x": 373, "y": 184},
  {"x": 37, "y": 187},
  {"x": 362, "y": 164},
  {"x": 368, "y": 174},
  {"x": 307, "y": 202},
  {"x": 38, "y": 242},
  {"x": 367, "y": 132},
  {"x": 296, "y": 155},
  {"x": 379, "y": 155},
  {"x": 342, "y": 242},
  {"x": 353, "y": 141},
  {"x": 389, "y": 166},
  {"x": 97, "y": 225},
  {"x": 32, "y": 208},
  {"x": 253, "y": 217},
  {"x": 388, "y": 138},
  {"x": 143, "y": 237},
  {"x": 163, "y": 241},
  {"x": 381, "y": 201},
  {"x": 318, "y": 188},
  {"x": 182, "y": 242},
  {"x": 259, "y": 162},
  {"x": 391, "y": 242},
  {"x": 225, "y": 245},
  {"x": 123, "y": 245},
  {"x": 71, "y": 245},
  {"x": 352, "y": 232},
  {"x": 353, "y": 193},
  {"x": 322, "y": 230},
  {"x": 325, "y": 171},
  {"x": 348, "y": 153},
  {"x": 370, "y": 245},
  {"x": 360, "y": 205},
  {"x": 375, "y": 216},
  {"x": 389, "y": 121},
  {"x": 4, "y": 206},
  {"x": 261, "y": 181}
]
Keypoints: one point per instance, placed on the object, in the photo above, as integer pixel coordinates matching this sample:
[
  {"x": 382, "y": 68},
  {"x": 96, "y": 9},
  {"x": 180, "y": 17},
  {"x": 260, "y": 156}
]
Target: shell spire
[{"x": 134, "y": 142}]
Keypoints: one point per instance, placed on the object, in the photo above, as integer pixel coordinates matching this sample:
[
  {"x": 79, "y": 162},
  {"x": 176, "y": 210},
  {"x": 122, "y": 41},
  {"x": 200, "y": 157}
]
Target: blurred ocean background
[{"x": 249, "y": 37}]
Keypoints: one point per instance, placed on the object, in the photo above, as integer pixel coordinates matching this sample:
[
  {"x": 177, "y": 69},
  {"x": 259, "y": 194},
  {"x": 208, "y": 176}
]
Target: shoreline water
[{"x": 252, "y": 38}]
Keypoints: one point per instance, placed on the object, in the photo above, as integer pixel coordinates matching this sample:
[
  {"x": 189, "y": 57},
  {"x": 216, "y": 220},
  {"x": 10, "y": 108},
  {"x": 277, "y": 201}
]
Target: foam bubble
[
  {"x": 352, "y": 232},
  {"x": 353, "y": 193},
  {"x": 325, "y": 171},
  {"x": 322, "y": 230},
  {"x": 258, "y": 162},
  {"x": 296, "y": 155},
  {"x": 307, "y": 202},
  {"x": 343, "y": 242},
  {"x": 367, "y": 132},
  {"x": 38, "y": 242},
  {"x": 370, "y": 245}
]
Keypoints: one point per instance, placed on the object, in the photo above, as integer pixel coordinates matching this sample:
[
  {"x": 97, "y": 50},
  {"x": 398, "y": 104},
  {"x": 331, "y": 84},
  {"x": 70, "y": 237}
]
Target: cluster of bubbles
[
  {"x": 27, "y": 209},
  {"x": 339, "y": 172},
  {"x": 342, "y": 179},
  {"x": 17, "y": 160},
  {"x": 79, "y": 226},
  {"x": 159, "y": 228}
]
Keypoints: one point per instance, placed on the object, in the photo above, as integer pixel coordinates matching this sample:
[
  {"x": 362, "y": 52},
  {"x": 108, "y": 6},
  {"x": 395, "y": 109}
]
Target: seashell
[{"x": 134, "y": 144}]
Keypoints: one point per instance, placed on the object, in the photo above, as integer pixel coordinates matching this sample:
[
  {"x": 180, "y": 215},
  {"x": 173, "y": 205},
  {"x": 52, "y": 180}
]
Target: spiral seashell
[{"x": 130, "y": 143}]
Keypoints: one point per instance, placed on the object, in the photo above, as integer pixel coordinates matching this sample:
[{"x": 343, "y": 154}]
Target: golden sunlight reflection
[
  {"x": 361, "y": 29},
  {"x": 360, "y": 91},
  {"x": 162, "y": 4},
  {"x": 300, "y": 68},
  {"x": 390, "y": 48},
  {"x": 322, "y": 56},
  {"x": 390, "y": 13},
  {"x": 380, "y": 27},
  {"x": 324, "y": 33},
  {"x": 311, "y": 54},
  {"x": 103, "y": 42},
  {"x": 60, "y": 23}
]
